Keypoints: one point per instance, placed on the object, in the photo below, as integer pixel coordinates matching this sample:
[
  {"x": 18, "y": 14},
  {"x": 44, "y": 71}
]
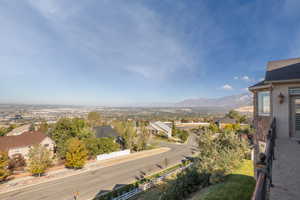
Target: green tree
[
  {"x": 233, "y": 114},
  {"x": 143, "y": 139},
  {"x": 76, "y": 154},
  {"x": 4, "y": 162},
  {"x": 127, "y": 131},
  {"x": 243, "y": 119},
  {"x": 4, "y": 131},
  {"x": 213, "y": 127},
  {"x": 220, "y": 153},
  {"x": 44, "y": 127},
  {"x": 174, "y": 130},
  {"x": 39, "y": 159},
  {"x": 65, "y": 129},
  {"x": 97, "y": 146},
  {"x": 32, "y": 127}
]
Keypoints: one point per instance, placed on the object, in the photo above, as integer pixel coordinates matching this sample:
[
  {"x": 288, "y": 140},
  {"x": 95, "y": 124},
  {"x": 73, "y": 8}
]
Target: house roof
[
  {"x": 225, "y": 120},
  {"x": 288, "y": 72},
  {"x": 280, "y": 71},
  {"x": 105, "y": 131},
  {"x": 261, "y": 84},
  {"x": 28, "y": 138},
  {"x": 160, "y": 126}
]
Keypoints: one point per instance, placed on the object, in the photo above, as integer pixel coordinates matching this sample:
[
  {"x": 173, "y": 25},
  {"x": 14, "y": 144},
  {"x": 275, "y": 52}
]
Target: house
[
  {"x": 276, "y": 102},
  {"x": 224, "y": 121},
  {"x": 109, "y": 132},
  {"x": 105, "y": 131},
  {"x": 159, "y": 128},
  {"x": 20, "y": 144},
  {"x": 19, "y": 130}
]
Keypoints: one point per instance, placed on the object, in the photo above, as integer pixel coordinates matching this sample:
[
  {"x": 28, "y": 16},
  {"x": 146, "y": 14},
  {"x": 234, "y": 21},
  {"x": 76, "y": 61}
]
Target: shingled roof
[
  {"x": 280, "y": 71},
  {"x": 105, "y": 131},
  {"x": 29, "y": 138},
  {"x": 288, "y": 72}
]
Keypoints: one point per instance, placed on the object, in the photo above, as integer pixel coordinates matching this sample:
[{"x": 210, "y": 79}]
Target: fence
[
  {"x": 113, "y": 154},
  {"x": 264, "y": 173},
  {"x": 128, "y": 194},
  {"x": 146, "y": 186}
]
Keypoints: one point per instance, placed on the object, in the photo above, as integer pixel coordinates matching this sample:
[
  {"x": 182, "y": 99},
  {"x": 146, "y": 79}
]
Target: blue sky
[{"x": 104, "y": 52}]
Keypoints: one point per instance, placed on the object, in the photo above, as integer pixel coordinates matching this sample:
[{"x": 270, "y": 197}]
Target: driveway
[{"x": 89, "y": 184}]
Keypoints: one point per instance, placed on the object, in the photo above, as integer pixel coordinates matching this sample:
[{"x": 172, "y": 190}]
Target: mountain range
[
  {"x": 233, "y": 101},
  {"x": 227, "y": 102}
]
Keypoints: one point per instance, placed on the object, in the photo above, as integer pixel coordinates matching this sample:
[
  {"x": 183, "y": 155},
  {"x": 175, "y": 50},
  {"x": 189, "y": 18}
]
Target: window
[{"x": 264, "y": 103}]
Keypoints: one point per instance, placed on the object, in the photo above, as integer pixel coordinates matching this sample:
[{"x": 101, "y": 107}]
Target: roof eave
[
  {"x": 283, "y": 81},
  {"x": 253, "y": 88}
]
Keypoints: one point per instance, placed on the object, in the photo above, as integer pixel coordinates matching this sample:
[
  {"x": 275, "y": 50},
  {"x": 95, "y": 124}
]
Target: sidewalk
[
  {"x": 286, "y": 170},
  {"x": 51, "y": 175}
]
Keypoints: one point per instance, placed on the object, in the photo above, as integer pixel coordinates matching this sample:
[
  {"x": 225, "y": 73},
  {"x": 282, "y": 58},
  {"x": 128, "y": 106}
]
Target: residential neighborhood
[{"x": 149, "y": 100}]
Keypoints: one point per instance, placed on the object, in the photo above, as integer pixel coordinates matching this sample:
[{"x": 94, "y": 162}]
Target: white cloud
[
  {"x": 243, "y": 78},
  {"x": 227, "y": 87},
  {"x": 132, "y": 38},
  {"x": 246, "y": 78}
]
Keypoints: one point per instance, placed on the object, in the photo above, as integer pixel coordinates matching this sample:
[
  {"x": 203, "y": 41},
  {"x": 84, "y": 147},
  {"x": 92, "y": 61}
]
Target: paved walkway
[{"x": 286, "y": 170}]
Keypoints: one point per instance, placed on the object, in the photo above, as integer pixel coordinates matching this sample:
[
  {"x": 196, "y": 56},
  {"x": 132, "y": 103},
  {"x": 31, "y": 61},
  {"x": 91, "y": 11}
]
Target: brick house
[
  {"x": 276, "y": 102},
  {"x": 20, "y": 144}
]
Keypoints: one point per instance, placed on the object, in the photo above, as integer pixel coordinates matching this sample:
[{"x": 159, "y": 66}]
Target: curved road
[{"x": 89, "y": 184}]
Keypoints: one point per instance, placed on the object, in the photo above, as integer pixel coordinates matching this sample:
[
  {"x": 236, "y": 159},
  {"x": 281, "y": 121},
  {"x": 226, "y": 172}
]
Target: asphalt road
[{"x": 89, "y": 184}]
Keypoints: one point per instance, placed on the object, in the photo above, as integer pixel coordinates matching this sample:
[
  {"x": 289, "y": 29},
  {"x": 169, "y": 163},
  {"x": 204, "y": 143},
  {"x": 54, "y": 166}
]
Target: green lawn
[{"x": 237, "y": 186}]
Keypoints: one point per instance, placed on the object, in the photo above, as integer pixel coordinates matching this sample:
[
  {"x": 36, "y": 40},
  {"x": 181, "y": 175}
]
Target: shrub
[
  {"x": 117, "y": 192},
  {"x": 4, "y": 161},
  {"x": 181, "y": 134},
  {"x": 17, "y": 162},
  {"x": 187, "y": 181}
]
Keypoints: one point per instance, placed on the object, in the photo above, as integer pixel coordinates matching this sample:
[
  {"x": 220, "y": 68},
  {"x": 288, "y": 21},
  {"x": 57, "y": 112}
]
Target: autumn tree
[
  {"x": 76, "y": 154},
  {"x": 39, "y": 159},
  {"x": 4, "y": 162}
]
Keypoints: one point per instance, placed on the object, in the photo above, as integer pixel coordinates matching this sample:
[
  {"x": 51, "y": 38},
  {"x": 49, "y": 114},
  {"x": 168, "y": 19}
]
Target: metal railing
[
  {"x": 264, "y": 167},
  {"x": 128, "y": 194}
]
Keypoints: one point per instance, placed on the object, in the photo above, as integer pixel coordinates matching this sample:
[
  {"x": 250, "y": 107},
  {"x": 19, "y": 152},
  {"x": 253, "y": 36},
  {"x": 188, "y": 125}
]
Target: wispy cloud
[
  {"x": 227, "y": 87},
  {"x": 133, "y": 38},
  {"x": 244, "y": 78}
]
